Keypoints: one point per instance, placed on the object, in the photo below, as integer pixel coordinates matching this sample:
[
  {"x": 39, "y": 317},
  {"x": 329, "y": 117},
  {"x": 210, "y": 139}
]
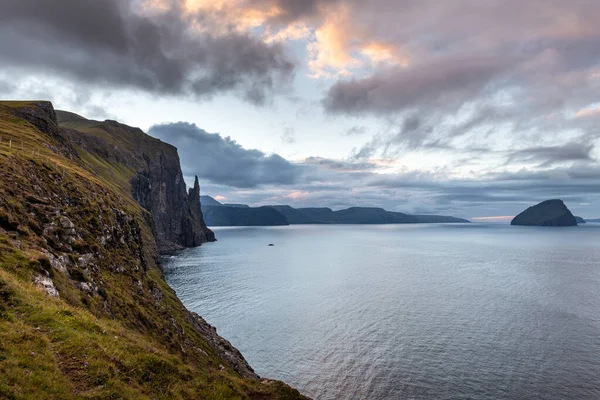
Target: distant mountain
[
  {"x": 241, "y": 216},
  {"x": 440, "y": 219},
  {"x": 593, "y": 220},
  {"x": 580, "y": 220},
  {"x": 295, "y": 216},
  {"x": 209, "y": 201},
  {"x": 547, "y": 213},
  {"x": 363, "y": 215},
  {"x": 318, "y": 215}
]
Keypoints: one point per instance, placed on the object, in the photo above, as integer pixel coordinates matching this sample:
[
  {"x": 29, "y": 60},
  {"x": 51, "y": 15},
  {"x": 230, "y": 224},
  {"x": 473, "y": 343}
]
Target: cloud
[
  {"x": 222, "y": 160},
  {"x": 549, "y": 155},
  {"x": 588, "y": 112},
  {"x": 398, "y": 89},
  {"x": 341, "y": 165},
  {"x": 120, "y": 44},
  {"x": 356, "y": 131}
]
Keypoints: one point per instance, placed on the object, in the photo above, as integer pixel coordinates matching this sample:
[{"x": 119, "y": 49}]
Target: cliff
[
  {"x": 146, "y": 168},
  {"x": 547, "y": 213},
  {"x": 84, "y": 309},
  {"x": 580, "y": 220}
]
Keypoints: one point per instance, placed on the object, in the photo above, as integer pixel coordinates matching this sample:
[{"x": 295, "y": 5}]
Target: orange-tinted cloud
[
  {"x": 335, "y": 44},
  {"x": 296, "y": 195},
  {"x": 339, "y": 46},
  {"x": 588, "y": 112}
]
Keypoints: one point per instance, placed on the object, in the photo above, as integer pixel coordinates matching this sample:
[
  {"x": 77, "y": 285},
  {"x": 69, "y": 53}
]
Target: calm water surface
[{"x": 406, "y": 311}]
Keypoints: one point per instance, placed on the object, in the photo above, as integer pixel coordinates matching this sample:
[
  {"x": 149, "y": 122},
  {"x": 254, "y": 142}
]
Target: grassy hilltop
[{"x": 84, "y": 309}]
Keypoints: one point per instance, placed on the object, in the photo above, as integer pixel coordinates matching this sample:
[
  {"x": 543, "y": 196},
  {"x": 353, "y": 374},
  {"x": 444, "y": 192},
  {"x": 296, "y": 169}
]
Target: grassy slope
[
  {"x": 130, "y": 337},
  {"x": 123, "y": 138}
]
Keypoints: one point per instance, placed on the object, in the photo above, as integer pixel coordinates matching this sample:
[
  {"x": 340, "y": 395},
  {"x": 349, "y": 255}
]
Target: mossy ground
[{"x": 129, "y": 339}]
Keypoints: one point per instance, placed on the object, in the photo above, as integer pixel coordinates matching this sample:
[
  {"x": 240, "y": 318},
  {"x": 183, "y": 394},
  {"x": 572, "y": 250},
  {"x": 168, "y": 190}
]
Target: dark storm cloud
[
  {"x": 293, "y": 10},
  {"x": 108, "y": 43},
  {"x": 223, "y": 161},
  {"x": 455, "y": 82}
]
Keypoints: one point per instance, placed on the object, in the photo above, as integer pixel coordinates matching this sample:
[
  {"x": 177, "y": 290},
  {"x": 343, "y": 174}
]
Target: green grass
[{"x": 119, "y": 342}]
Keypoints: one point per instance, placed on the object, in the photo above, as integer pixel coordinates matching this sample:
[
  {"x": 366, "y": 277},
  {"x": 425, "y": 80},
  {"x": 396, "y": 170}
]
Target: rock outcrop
[
  {"x": 547, "y": 213},
  {"x": 199, "y": 231},
  {"x": 580, "y": 220}
]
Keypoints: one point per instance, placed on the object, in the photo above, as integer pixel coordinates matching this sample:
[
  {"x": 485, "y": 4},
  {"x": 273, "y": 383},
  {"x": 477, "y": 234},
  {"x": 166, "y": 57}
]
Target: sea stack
[{"x": 547, "y": 213}]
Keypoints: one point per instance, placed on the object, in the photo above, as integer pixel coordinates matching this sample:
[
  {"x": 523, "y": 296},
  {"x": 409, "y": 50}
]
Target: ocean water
[{"x": 406, "y": 311}]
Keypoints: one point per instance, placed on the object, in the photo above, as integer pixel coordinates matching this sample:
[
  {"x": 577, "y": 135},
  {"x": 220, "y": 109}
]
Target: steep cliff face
[
  {"x": 160, "y": 188},
  {"x": 150, "y": 170},
  {"x": 84, "y": 309}
]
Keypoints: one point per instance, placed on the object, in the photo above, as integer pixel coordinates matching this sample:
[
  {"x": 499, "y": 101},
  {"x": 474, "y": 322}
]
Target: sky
[{"x": 468, "y": 108}]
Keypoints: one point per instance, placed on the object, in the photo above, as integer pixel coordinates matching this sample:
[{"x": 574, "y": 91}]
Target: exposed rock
[
  {"x": 87, "y": 287},
  {"x": 60, "y": 263},
  {"x": 85, "y": 260},
  {"x": 232, "y": 355},
  {"x": 547, "y": 213},
  {"x": 67, "y": 232},
  {"x": 47, "y": 285},
  {"x": 580, "y": 220}
]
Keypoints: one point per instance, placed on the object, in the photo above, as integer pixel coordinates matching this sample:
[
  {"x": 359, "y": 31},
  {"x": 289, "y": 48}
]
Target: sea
[{"x": 463, "y": 311}]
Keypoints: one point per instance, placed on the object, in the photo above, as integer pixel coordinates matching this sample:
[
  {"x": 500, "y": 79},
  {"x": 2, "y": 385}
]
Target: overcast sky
[{"x": 466, "y": 107}]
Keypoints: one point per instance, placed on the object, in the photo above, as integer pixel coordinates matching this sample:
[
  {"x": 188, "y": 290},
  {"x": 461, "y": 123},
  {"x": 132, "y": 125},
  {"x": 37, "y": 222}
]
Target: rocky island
[
  {"x": 547, "y": 213},
  {"x": 86, "y": 207}
]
